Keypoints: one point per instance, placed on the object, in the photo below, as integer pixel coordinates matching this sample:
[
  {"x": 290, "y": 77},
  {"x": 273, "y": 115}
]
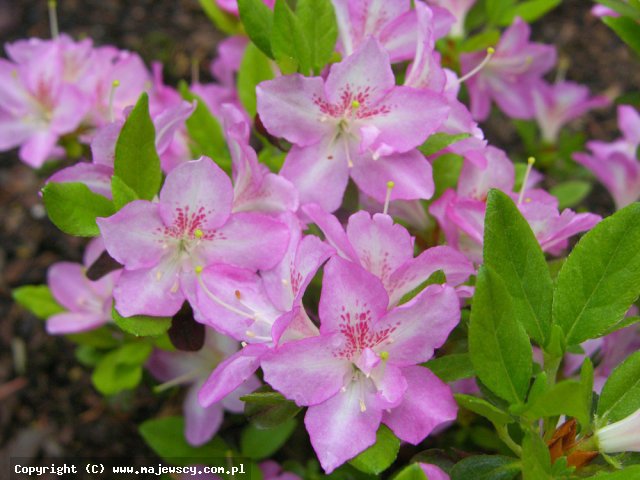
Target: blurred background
[{"x": 48, "y": 406}]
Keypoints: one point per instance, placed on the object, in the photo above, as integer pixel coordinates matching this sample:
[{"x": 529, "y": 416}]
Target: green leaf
[
  {"x": 499, "y": 346},
  {"x": 205, "y": 132},
  {"x": 436, "y": 278},
  {"x": 536, "y": 461},
  {"x": 486, "y": 467},
  {"x": 620, "y": 395},
  {"x": 378, "y": 457},
  {"x": 498, "y": 11},
  {"x": 450, "y": 368},
  {"x": 73, "y": 208},
  {"x": 628, "y": 473},
  {"x": 121, "y": 369},
  {"x": 566, "y": 397},
  {"x": 225, "y": 22},
  {"x": 512, "y": 251},
  {"x": 38, "y": 300},
  {"x": 141, "y": 325},
  {"x": 622, "y": 7},
  {"x": 136, "y": 160},
  {"x": 102, "y": 338},
  {"x": 260, "y": 443},
  {"x": 257, "y": 19},
  {"x": 288, "y": 41},
  {"x": 255, "y": 68},
  {"x": 165, "y": 436},
  {"x": 318, "y": 21},
  {"x": 440, "y": 141},
  {"x": 483, "y": 408},
  {"x": 481, "y": 41},
  {"x": 627, "y": 29},
  {"x": 267, "y": 409},
  {"x": 121, "y": 192},
  {"x": 412, "y": 472},
  {"x": 601, "y": 278},
  {"x": 530, "y": 10},
  {"x": 571, "y": 193},
  {"x": 586, "y": 386},
  {"x": 446, "y": 170}
]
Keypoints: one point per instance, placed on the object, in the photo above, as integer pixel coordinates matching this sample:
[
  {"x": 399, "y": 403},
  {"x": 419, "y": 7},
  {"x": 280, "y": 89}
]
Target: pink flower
[
  {"x": 615, "y": 163},
  {"x": 509, "y": 76},
  {"x": 459, "y": 9},
  {"x": 192, "y": 368},
  {"x": 161, "y": 244},
  {"x": 88, "y": 303},
  {"x": 559, "y": 103},
  {"x": 362, "y": 370},
  {"x": 355, "y": 123}
]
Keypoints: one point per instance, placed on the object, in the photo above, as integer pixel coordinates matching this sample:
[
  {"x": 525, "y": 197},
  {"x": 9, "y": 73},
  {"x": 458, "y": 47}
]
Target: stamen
[
  {"x": 198, "y": 233},
  {"x": 195, "y": 71},
  {"x": 177, "y": 381},
  {"x": 219, "y": 301},
  {"x": 112, "y": 94},
  {"x": 53, "y": 19},
  {"x": 490, "y": 52},
  {"x": 390, "y": 185},
  {"x": 530, "y": 162},
  {"x": 384, "y": 355},
  {"x": 363, "y": 407},
  {"x": 199, "y": 269},
  {"x": 348, "y": 154},
  {"x": 238, "y": 294}
]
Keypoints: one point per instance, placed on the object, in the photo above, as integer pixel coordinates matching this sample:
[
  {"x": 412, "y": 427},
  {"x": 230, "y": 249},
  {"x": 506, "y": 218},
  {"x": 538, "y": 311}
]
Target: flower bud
[{"x": 621, "y": 436}]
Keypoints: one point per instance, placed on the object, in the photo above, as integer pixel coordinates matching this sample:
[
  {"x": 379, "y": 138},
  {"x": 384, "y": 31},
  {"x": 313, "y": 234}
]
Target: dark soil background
[{"x": 47, "y": 404}]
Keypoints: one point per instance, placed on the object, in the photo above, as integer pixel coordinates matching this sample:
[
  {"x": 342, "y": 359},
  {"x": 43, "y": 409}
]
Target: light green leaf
[
  {"x": 601, "y": 278},
  {"x": 38, "y": 300},
  {"x": 226, "y": 22},
  {"x": 288, "y": 41},
  {"x": 436, "y": 278},
  {"x": 318, "y": 21},
  {"x": 481, "y": 41},
  {"x": 259, "y": 443},
  {"x": 439, "y": 141},
  {"x": 267, "y": 409},
  {"x": 571, "y": 193},
  {"x": 499, "y": 346},
  {"x": 512, "y": 251},
  {"x": 255, "y": 68},
  {"x": 141, "y": 325},
  {"x": 121, "y": 192},
  {"x": 530, "y": 10},
  {"x": 450, "y": 368},
  {"x": 257, "y": 19},
  {"x": 566, "y": 397},
  {"x": 412, "y": 472},
  {"x": 483, "y": 408},
  {"x": 446, "y": 170},
  {"x": 136, "y": 160},
  {"x": 121, "y": 369},
  {"x": 73, "y": 208},
  {"x": 377, "y": 458},
  {"x": 620, "y": 395},
  {"x": 536, "y": 461}
]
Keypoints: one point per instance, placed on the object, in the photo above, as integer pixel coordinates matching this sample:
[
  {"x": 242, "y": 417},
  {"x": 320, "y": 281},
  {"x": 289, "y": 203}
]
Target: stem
[
  {"x": 53, "y": 18},
  {"x": 503, "y": 434}
]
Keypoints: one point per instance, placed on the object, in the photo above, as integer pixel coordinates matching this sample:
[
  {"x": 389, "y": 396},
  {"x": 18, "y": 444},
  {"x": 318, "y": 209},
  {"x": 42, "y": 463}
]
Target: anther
[
  {"x": 198, "y": 233},
  {"x": 199, "y": 269},
  {"x": 114, "y": 85},
  {"x": 384, "y": 355},
  {"x": 237, "y": 294},
  {"x": 390, "y": 185},
  {"x": 490, "y": 52},
  {"x": 355, "y": 104},
  {"x": 530, "y": 162}
]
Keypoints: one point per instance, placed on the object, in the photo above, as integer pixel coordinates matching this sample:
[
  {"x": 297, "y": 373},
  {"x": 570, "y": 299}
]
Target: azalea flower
[
  {"x": 192, "y": 368},
  {"x": 161, "y": 244},
  {"x": 355, "y": 123},
  {"x": 362, "y": 369},
  {"x": 386, "y": 250},
  {"x": 459, "y": 9},
  {"x": 88, "y": 303},
  {"x": 621, "y": 436},
  {"x": 615, "y": 164},
  {"x": 559, "y": 103},
  {"x": 510, "y": 74}
]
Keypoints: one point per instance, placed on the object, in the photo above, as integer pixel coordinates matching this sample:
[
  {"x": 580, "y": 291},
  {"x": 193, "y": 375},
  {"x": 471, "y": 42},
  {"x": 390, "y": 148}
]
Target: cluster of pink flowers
[{"x": 238, "y": 250}]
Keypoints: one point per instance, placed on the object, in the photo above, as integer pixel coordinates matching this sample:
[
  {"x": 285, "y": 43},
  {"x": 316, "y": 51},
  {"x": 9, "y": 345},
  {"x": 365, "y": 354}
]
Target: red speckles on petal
[
  {"x": 357, "y": 330},
  {"x": 186, "y": 223},
  {"x": 345, "y": 107}
]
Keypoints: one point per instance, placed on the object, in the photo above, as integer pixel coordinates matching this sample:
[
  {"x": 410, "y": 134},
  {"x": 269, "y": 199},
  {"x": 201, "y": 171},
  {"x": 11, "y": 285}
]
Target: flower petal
[
  {"x": 74, "y": 322},
  {"x": 200, "y": 423}
]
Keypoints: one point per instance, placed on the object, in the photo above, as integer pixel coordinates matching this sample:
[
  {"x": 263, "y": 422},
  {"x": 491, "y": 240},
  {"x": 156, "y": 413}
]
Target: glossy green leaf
[
  {"x": 439, "y": 141},
  {"x": 601, "y": 278},
  {"x": 38, "y": 300},
  {"x": 257, "y": 19},
  {"x": 512, "y": 251},
  {"x": 255, "y": 68},
  {"x": 620, "y": 395},
  {"x": 499, "y": 346},
  {"x": 486, "y": 467},
  {"x": 483, "y": 408},
  {"x": 564, "y": 398},
  {"x": 121, "y": 192},
  {"x": 260, "y": 443},
  {"x": 121, "y": 369},
  {"x": 318, "y": 21},
  {"x": 136, "y": 160},
  {"x": 288, "y": 41},
  {"x": 141, "y": 325},
  {"x": 377, "y": 458},
  {"x": 450, "y": 368},
  {"x": 73, "y": 208}
]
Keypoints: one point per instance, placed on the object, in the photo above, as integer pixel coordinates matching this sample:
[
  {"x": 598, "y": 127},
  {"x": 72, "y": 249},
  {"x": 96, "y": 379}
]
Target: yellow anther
[
  {"x": 238, "y": 294},
  {"x": 384, "y": 355},
  {"x": 355, "y": 104},
  {"x": 391, "y": 184},
  {"x": 491, "y": 51},
  {"x": 198, "y": 233},
  {"x": 115, "y": 83},
  {"x": 531, "y": 160},
  {"x": 199, "y": 269}
]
